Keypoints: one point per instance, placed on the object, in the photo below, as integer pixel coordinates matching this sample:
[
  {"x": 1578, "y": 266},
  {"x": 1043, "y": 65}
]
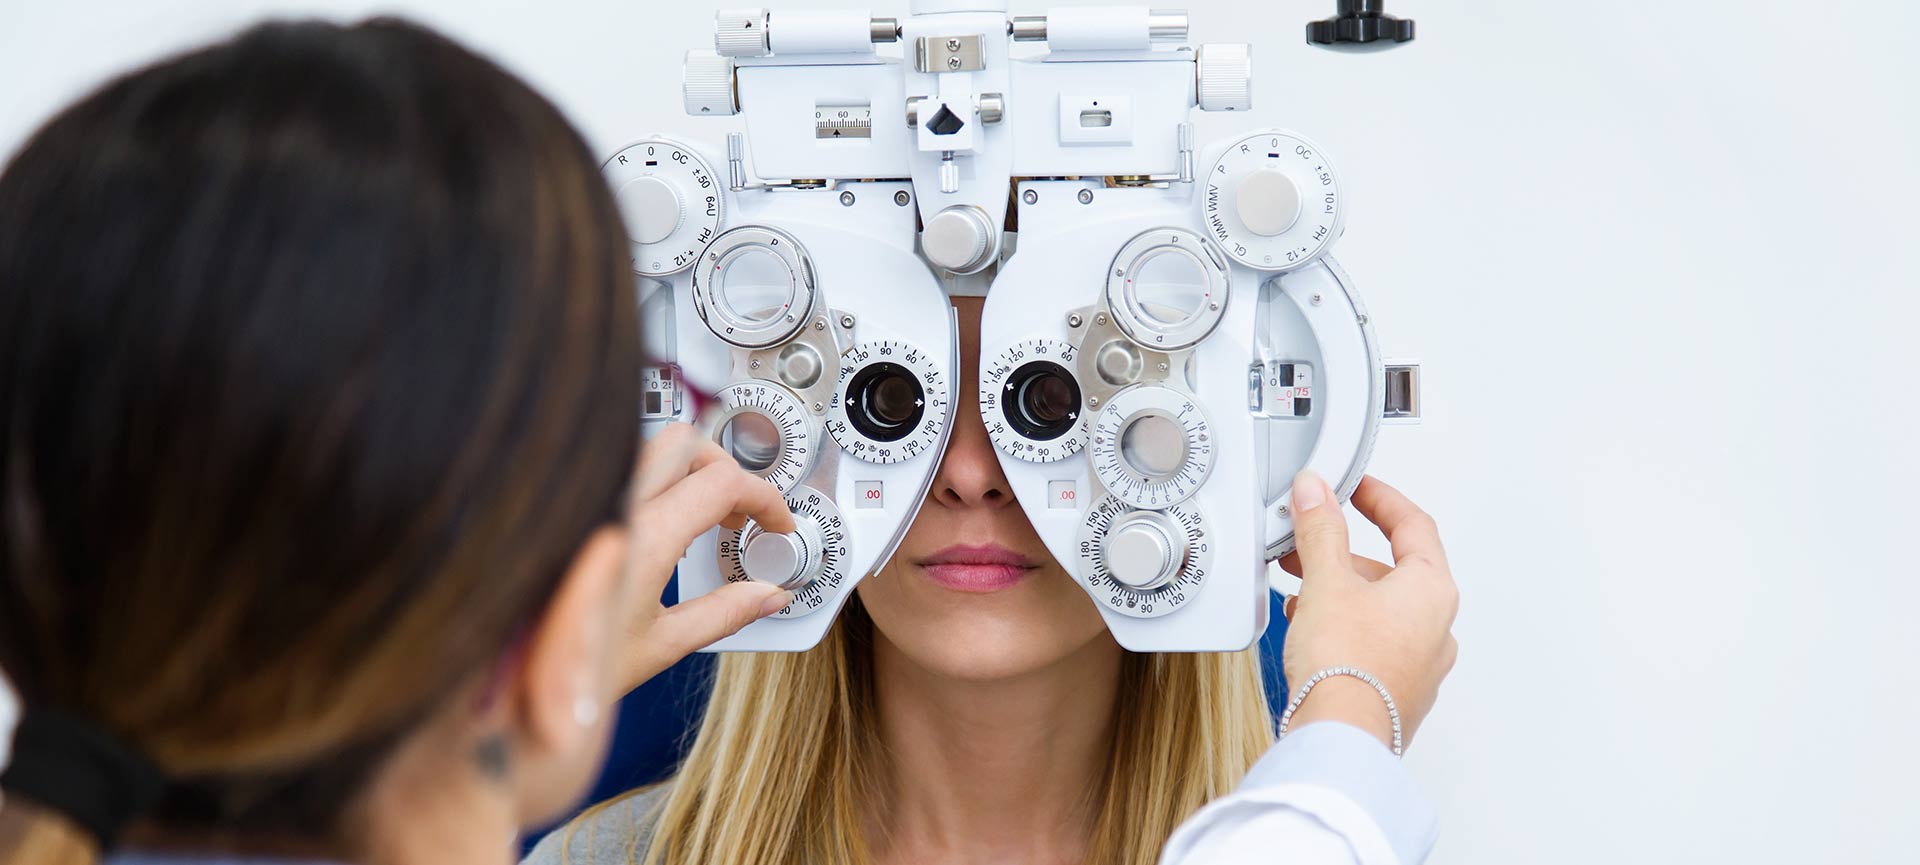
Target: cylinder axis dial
[
  {"x": 1151, "y": 446},
  {"x": 670, "y": 201},
  {"x": 1167, "y": 289},
  {"x": 809, "y": 562},
  {"x": 754, "y": 286},
  {"x": 1031, "y": 402},
  {"x": 891, "y": 405},
  {"x": 766, "y": 430},
  {"x": 1273, "y": 201},
  {"x": 1143, "y": 563}
]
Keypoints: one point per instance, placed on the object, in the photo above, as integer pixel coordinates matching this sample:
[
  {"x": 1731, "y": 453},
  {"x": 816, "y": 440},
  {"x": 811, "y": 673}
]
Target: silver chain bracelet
[{"x": 1393, "y": 711}]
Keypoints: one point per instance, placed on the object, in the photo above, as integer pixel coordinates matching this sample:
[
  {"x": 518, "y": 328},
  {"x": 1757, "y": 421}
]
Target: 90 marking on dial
[
  {"x": 809, "y": 504},
  {"x": 1139, "y": 603},
  {"x": 1030, "y": 401},
  {"x": 891, "y": 404}
]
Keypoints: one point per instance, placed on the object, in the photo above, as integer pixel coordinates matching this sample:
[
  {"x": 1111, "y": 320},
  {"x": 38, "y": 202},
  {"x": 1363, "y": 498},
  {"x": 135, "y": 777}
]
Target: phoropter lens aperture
[
  {"x": 1043, "y": 400},
  {"x": 753, "y": 441},
  {"x": 885, "y": 401}
]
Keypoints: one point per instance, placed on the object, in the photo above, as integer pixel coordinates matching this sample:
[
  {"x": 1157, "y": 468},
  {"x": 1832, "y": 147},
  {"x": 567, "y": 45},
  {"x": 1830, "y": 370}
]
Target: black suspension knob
[{"x": 1360, "y": 24}]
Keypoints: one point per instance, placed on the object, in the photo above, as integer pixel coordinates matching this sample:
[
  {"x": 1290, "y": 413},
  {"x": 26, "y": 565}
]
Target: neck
[
  {"x": 428, "y": 805},
  {"x": 433, "y": 806},
  {"x": 1001, "y": 771}
]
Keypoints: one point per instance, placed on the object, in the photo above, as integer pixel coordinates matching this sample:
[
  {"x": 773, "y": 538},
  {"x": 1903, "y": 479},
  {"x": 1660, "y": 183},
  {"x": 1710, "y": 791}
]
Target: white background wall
[{"x": 1660, "y": 261}]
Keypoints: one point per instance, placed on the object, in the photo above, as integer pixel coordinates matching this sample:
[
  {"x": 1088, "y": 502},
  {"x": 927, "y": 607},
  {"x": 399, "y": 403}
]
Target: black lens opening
[
  {"x": 1042, "y": 401},
  {"x": 885, "y": 402}
]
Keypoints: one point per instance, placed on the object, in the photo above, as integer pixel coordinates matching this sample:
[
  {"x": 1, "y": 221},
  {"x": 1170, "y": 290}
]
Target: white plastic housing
[
  {"x": 865, "y": 262},
  {"x": 1065, "y": 246},
  {"x": 835, "y": 31}
]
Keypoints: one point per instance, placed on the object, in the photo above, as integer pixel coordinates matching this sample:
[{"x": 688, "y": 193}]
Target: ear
[{"x": 563, "y": 690}]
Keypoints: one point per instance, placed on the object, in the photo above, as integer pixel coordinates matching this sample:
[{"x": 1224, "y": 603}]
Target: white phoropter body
[
  {"x": 1165, "y": 340},
  {"x": 796, "y": 295}
]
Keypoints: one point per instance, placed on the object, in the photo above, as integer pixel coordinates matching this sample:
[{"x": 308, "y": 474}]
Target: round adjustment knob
[
  {"x": 706, "y": 85},
  {"x": 809, "y": 561},
  {"x": 669, "y": 200},
  {"x": 789, "y": 560},
  {"x": 1143, "y": 563},
  {"x": 1223, "y": 76},
  {"x": 1359, "y": 24},
  {"x": 1268, "y": 202},
  {"x": 741, "y": 33},
  {"x": 1145, "y": 551},
  {"x": 959, "y": 239},
  {"x": 1272, "y": 201},
  {"x": 652, "y": 207}
]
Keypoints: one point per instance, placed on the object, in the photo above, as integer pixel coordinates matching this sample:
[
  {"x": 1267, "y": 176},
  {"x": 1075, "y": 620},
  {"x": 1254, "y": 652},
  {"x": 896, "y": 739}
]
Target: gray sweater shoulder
[{"x": 615, "y": 835}]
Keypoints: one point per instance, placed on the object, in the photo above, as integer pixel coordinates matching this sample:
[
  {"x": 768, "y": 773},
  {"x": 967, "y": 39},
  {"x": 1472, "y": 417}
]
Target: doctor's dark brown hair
[{"x": 318, "y": 364}]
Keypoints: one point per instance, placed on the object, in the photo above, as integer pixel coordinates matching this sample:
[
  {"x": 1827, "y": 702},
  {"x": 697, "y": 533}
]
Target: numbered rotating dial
[
  {"x": 1143, "y": 563},
  {"x": 809, "y": 561},
  {"x": 1167, "y": 289},
  {"x": 1151, "y": 446},
  {"x": 1273, "y": 202},
  {"x": 766, "y": 430},
  {"x": 754, "y": 286},
  {"x": 891, "y": 404},
  {"x": 670, "y": 201},
  {"x": 1031, "y": 402}
]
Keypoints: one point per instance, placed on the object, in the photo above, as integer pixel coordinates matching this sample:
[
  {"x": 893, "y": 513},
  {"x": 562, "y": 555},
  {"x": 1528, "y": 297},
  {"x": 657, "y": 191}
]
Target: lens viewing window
[
  {"x": 885, "y": 402},
  {"x": 753, "y": 440},
  {"x": 1042, "y": 400}
]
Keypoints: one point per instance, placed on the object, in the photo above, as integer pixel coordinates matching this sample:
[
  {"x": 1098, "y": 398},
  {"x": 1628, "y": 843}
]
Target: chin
[{"x": 982, "y": 637}]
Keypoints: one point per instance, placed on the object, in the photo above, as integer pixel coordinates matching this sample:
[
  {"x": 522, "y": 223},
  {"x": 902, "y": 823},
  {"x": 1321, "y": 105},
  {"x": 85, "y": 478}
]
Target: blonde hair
[{"x": 785, "y": 765}]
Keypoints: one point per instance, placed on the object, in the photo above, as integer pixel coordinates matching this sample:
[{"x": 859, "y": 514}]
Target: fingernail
[
  {"x": 776, "y": 602},
  {"x": 1309, "y": 491}
]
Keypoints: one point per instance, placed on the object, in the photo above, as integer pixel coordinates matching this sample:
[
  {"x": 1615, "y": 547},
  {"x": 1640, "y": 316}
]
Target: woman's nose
[{"x": 970, "y": 474}]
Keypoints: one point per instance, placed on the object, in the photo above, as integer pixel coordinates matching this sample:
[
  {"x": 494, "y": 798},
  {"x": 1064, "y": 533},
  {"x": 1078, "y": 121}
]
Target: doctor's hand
[
  {"x": 1393, "y": 621},
  {"x": 685, "y": 485}
]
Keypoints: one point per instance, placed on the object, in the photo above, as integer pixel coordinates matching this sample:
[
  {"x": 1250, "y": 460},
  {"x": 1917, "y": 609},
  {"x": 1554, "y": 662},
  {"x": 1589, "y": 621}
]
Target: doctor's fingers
[
  {"x": 1319, "y": 530},
  {"x": 720, "y": 494},
  {"x": 1371, "y": 569},
  {"x": 1414, "y": 536},
  {"x": 696, "y": 623},
  {"x": 673, "y": 453}
]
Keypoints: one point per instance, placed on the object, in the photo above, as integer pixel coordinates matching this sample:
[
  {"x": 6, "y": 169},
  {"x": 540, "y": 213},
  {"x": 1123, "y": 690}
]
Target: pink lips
[{"x": 976, "y": 569}]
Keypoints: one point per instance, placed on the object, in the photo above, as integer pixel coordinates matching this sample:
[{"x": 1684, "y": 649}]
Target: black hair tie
[{"x": 66, "y": 763}]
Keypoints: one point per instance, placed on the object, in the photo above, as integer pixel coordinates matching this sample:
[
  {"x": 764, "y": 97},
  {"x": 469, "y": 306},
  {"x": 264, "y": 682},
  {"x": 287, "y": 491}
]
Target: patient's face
[{"x": 972, "y": 593}]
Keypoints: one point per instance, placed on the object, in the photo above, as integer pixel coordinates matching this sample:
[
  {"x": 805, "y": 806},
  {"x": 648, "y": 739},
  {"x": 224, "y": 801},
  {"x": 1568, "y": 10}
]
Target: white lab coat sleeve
[{"x": 1327, "y": 794}]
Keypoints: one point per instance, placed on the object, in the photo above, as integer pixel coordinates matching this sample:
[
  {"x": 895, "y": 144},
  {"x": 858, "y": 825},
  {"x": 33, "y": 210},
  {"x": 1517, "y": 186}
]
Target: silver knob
[
  {"x": 652, "y": 207},
  {"x": 992, "y": 107},
  {"x": 706, "y": 84},
  {"x": 741, "y": 33},
  {"x": 959, "y": 239},
  {"x": 790, "y": 560},
  {"x": 1145, "y": 550},
  {"x": 1223, "y": 76},
  {"x": 1267, "y": 202}
]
